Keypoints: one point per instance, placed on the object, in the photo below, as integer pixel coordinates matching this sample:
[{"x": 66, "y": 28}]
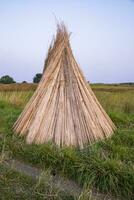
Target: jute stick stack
[{"x": 63, "y": 109}]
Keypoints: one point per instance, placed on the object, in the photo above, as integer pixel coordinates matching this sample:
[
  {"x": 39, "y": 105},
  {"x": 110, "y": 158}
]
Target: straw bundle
[{"x": 63, "y": 109}]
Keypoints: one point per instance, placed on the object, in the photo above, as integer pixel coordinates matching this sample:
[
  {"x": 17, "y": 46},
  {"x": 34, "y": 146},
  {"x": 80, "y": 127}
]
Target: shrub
[
  {"x": 6, "y": 79},
  {"x": 37, "y": 78}
]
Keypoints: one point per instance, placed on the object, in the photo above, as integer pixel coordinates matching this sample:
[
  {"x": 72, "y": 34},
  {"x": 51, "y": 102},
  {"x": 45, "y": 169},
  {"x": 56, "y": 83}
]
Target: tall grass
[
  {"x": 118, "y": 102},
  {"x": 18, "y": 87},
  {"x": 16, "y": 98},
  {"x": 115, "y": 101}
]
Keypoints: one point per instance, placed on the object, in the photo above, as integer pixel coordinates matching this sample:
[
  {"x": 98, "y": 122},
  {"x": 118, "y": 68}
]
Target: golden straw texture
[{"x": 63, "y": 108}]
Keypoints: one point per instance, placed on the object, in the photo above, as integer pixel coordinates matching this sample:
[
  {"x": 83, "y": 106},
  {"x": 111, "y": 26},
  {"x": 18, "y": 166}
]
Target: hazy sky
[{"x": 102, "y": 36}]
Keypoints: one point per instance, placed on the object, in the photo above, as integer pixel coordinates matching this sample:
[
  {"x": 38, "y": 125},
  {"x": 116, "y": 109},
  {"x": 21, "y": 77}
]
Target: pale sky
[{"x": 102, "y": 37}]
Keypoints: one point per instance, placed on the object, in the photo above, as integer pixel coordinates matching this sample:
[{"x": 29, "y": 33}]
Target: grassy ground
[
  {"x": 14, "y": 185},
  {"x": 107, "y": 165}
]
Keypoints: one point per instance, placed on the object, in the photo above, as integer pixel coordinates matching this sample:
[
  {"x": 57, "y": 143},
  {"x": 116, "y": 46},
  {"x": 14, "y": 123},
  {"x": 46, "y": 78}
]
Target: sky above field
[{"x": 102, "y": 37}]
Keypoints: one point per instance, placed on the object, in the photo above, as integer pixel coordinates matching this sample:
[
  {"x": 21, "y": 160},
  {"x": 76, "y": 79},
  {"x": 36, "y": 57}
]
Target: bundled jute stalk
[{"x": 63, "y": 108}]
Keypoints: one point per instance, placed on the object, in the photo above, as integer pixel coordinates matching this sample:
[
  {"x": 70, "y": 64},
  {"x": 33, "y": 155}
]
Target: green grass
[
  {"x": 14, "y": 185},
  {"x": 107, "y": 165}
]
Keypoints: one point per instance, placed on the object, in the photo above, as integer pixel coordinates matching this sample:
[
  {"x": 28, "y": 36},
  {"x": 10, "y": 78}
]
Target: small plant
[
  {"x": 86, "y": 194},
  {"x": 45, "y": 181},
  {"x": 2, "y": 155}
]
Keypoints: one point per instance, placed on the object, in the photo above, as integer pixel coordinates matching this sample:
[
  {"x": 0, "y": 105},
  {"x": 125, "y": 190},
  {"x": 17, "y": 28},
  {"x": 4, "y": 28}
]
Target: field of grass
[
  {"x": 97, "y": 87},
  {"x": 107, "y": 166}
]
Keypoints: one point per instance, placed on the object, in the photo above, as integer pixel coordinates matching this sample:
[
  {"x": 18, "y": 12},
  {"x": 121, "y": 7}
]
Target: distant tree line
[
  {"x": 36, "y": 79},
  {"x": 8, "y": 79},
  {"x": 128, "y": 83}
]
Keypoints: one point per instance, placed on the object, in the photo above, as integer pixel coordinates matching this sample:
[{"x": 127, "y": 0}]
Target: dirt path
[{"x": 59, "y": 182}]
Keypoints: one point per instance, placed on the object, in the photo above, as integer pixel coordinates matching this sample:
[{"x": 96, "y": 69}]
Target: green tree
[
  {"x": 6, "y": 79},
  {"x": 37, "y": 78}
]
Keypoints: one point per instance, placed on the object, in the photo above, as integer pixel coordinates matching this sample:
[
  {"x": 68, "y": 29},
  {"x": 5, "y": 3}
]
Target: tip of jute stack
[{"x": 63, "y": 109}]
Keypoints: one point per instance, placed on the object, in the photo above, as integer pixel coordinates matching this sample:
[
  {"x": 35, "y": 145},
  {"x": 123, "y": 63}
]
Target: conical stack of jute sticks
[{"x": 63, "y": 108}]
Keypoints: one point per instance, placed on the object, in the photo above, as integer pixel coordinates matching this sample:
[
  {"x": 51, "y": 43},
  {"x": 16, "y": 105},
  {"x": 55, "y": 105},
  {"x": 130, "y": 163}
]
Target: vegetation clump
[
  {"x": 6, "y": 79},
  {"x": 37, "y": 78}
]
